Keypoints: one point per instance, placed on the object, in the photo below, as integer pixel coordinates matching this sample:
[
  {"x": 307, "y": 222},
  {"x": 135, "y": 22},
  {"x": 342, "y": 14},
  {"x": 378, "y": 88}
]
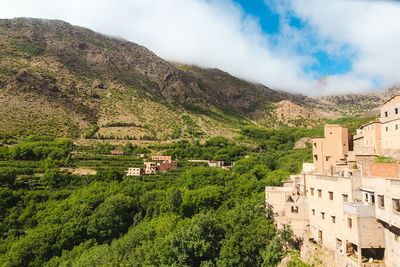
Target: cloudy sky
[{"x": 313, "y": 47}]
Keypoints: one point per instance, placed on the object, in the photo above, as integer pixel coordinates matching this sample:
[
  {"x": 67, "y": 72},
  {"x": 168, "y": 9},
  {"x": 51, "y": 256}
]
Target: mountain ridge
[{"x": 66, "y": 80}]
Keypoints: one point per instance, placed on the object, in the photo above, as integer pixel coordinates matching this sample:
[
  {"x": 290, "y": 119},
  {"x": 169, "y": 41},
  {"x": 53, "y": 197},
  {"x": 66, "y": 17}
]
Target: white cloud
[
  {"x": 371, "y": 28},
  {"x": 216, "y": 33}
]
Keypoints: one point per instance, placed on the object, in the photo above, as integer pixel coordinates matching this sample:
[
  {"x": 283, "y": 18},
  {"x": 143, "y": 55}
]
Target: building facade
[
  {"x": 134, "y": 172},
  {"x": 150, "y": 168},
  {"x": 161, "y": 158},
  {"x": 331, "y": 148},
  {"x": 167, "y": 165},
  {"x": 352, "y": 202},
  {"x": 390, "y": 120}
]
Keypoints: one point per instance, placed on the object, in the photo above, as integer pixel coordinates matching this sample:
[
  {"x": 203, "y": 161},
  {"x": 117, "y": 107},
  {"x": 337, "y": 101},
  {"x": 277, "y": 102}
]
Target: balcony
[{"x": 359, "y": 209}]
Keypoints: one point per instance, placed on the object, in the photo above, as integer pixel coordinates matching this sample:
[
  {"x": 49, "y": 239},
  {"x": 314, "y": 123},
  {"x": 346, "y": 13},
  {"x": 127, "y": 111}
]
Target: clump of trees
[{"x": 194, "y": 216}]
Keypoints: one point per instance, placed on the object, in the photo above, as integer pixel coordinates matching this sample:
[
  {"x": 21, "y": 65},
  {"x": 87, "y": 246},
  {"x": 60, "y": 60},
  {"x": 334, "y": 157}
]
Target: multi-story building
[
  {"x": 134, "y": 172},
  {"x": 150, "y": 168},
  {"x": 351, "y": 202},
  {"x": 289, "y": 206},
  {"x": 331, "y": 148},
  {"x": 390, "y": 120},
  {"x": 368, "y": 139}
]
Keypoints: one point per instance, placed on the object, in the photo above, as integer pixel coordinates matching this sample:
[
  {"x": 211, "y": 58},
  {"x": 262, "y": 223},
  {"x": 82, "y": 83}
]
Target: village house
[
  {"x": 150, "y": 167},
  {"x": 161, "y": 158},
  {"x": 117, "y": 152},
  {"x": 348, "y": 202},
  {"x": 134, "y": 172},
  {"x": 212, "y": 163},
  {"x": 167, "y": 165}
]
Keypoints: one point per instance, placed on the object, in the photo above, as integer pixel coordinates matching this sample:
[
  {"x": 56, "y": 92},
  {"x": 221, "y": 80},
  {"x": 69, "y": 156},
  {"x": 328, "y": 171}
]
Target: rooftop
[
  {"x": 359, "y": 209},
  {"x": 390, "y": 99}
]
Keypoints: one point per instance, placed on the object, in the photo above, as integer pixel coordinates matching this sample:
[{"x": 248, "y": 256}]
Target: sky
[{"x": 312, "y": 47}]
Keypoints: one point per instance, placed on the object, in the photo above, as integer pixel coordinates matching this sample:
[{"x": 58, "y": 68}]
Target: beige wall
[
  {"x": 158, "y": 158},
  {"x": 334, "y": 146},
  {"x": 371, "y": 133},
  {"x": 339, "y": 186},
  {"x": 288, "y": 207},
  {"x": 134, "y": 172},
  {"x": 391, "y": 127},
  {"x": 389, "y": 219}
]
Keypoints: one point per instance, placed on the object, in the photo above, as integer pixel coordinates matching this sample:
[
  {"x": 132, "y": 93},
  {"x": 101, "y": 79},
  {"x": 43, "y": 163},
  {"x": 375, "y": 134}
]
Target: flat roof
[{"x": 335, "y": 125}]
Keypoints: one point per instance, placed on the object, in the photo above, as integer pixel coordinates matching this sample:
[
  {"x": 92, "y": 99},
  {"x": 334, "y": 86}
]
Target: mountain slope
[{"x": 65, "y": 80}]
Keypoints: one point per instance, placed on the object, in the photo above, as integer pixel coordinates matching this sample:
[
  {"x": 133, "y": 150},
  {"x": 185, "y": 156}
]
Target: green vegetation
[
  {"x": 384, "y": 159},
  {"x": 27, "y": 46},
  {"x": 352, "y": 122},
  {"x": 192, "y": 216}
]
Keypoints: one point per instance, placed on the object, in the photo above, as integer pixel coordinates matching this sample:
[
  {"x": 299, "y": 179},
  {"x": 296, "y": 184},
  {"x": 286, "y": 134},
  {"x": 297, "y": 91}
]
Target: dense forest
[{"x": 192, "y": 216}]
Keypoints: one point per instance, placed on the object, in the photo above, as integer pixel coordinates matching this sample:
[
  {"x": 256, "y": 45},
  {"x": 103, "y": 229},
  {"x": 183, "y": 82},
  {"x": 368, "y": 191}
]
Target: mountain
[
  {"x": 64, "y": 80},
  {"x": 351, "y": 104}
]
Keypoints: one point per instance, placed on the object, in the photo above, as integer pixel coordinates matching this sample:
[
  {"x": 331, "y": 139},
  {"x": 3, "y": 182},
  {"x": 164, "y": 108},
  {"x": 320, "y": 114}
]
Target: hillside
[
  {"x": 63, "y": 80},
  {"x": 351, "y": 104}
]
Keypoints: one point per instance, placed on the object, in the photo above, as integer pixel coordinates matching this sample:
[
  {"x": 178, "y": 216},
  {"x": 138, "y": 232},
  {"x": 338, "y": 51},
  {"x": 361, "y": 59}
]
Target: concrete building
[
  {"x": 212, "y": 163},
  {"x": 289, "y": 207},
  {"x": 390, "y": 120},
  {"x": 352, "y": 202},
  {"x": 334, "y": 147},
  {"x": 134, "y": 172},
  {"x": 161, "y": 158},
  {"x": 167, "y": 165},
  {"x": 150, "y": 168},
  {"x": 368, "y": 139}
]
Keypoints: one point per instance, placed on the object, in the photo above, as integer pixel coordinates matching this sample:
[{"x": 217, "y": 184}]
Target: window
[
  {"x": 320, "y": 237},
  {"x": 387, "y": 128},
  {"x": 313, "y": 211},
  {"x": 312, "y": 191},
  {"x": 396, "y": 111},
  {"x": 386, "y": 114},
  {"x": 396, "y": 205},
  {"x": 315, "y": 145},
  {"x": 349, "y": 222},
  {"x": 345, "y": 197},
  {"x": 330, "y": 195},
  {"x": 295, "y": 209},
  {"x": 381, "y": 201},
  {"x": 316, "y": 157},
  {"x": 396, "y": 126},
  {"x": 319, "y": 193},
  {"x": 323, "y": 215},
  {"x": 396, "y": 237},
  {"x": 338, "y": 243},
  {"x": 327, "y": 158},
  {"x": 333, "y": 219}
]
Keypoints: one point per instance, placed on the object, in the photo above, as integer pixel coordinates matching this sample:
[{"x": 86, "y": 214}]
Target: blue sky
[
  {"x": 270, "y": 22},
  {"x": 283, "y": 44}
]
